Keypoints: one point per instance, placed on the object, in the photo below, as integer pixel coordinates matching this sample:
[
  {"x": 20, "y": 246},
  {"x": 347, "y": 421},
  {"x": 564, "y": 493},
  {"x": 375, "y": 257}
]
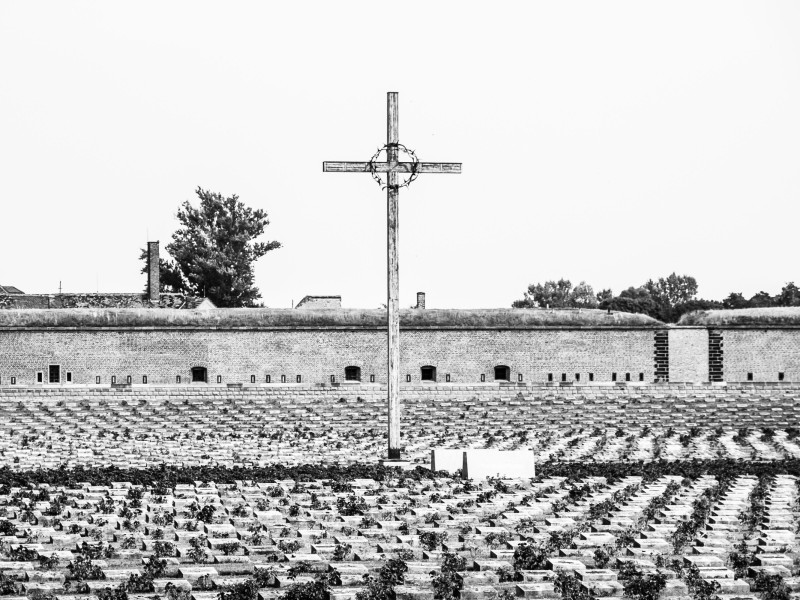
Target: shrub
[
  {"x": 289, "y": 546},
  {"x": 530, "y": 556},
  {"x": 264, "y": 577},
  {"x": 7, "y": 527},
  {"x": 246, "y": 590},
  {"x": 699, "y": 588},
  {"x": 82, "y": 569},
  {"x": 48, "y": 562},
  {"x": 351, "y": 505},
  {"x": 567, "y": 585},
  {"x": 639, "y": 585},
  {"x": 161, "y": 549},
  {"x": 496, "y": 539},
  {"x": 197, "y": 551},
  {"x": 229, "y": 548},
  {"x": 432, "y": 539},
  {"x": 7, "y": 586},
  {"x": 446, "y": 584},
  {"x": 117, "y": 593},
  {"x": 342, "y": 552}
]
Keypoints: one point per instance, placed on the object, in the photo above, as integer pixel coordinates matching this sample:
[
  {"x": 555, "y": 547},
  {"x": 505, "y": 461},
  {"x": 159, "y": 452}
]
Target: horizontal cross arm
[{"x": 382, "y": 167}]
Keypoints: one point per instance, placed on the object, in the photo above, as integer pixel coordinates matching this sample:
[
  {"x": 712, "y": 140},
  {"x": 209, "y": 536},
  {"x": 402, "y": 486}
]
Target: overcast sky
[{"x": 608, "y": 142}]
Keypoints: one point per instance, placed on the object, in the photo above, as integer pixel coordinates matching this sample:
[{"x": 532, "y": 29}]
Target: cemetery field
[
  {"x": 229, "y": 501},
  {"x": 406, "y": 535},
  {"x": 233, "y": 432}
]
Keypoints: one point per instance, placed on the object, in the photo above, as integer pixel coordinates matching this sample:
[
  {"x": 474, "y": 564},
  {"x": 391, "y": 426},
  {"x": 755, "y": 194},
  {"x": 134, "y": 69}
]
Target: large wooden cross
[{"x": 392, "y": 167}]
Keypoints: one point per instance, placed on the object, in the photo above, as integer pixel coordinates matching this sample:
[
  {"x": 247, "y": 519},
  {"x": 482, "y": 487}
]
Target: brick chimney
[
  {"x": 153, "y": 273},
  {"x": 420, "y": 300}
]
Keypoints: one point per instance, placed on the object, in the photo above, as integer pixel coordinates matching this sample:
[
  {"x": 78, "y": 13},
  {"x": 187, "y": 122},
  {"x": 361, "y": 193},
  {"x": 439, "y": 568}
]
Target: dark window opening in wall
[
  {"x": 333, "y": 378},
  {"x": 408, "y": 378},
  {"x": 283, "y": 378},
  {"x": 97, "y": 380},
  {"x": 519, "y": 377},
  {"x": 128, "y": 379},
  {"x": 144, "y": 378},
  {"x": 749, "y": 377},
  {"x": 549, "y": 377},
  {"x": 780, "y": 376},
  {"x": 563, "y": 377},
  {"x": 428, "y": 373},
  {"x": 502, "y": 373},
  {"x": 299, "y": 379},
  {"x": 613, "y": 377},
  {"x": 447, "y": 378},
  {"x": 39, "y": 377},
  {"x": 13, "y": 381},
  {"x": 177, "y": 379},
  {"x": 54, "y": 374},
  {"x": 591, "y": 376},
  {"x": 269, "y": 379},
  {"x": 252, "y": 378},
  {"x": 577, "y": 376},
  {"x": 219, "y": 378},
  {"x": 483, "y": 377},
  {"x": 641, "y": 376},
  {"x": 199, "y": 374},
  {"x": 69, "y": 377},
  {"x": 352, "y": 373},
  {"x": 113, "y": 379},
  {"x": 372, "y": 378},
  {"x": 627, "y": 376}
]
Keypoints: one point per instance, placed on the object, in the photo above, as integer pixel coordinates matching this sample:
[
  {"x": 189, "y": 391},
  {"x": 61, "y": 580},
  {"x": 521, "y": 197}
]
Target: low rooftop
[
  {"x": 772, "y": 316},
  {"x": 358, "y": 318}
]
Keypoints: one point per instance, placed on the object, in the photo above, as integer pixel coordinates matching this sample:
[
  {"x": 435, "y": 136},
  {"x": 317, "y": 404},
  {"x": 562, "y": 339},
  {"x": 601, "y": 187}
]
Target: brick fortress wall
[
  {"x": 509, "y": 408},
  {"x": 316, "y": 354}
]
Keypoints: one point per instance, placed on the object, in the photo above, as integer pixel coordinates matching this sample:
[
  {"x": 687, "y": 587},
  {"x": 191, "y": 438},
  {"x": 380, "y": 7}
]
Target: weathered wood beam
[{"x": 384, "y": 167}]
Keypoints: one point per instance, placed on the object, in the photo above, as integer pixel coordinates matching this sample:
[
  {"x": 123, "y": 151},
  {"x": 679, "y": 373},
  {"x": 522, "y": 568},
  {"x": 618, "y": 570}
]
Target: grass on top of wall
[
  {"x": 772, "y": 316},
  {"x": 287, "y": 317}
]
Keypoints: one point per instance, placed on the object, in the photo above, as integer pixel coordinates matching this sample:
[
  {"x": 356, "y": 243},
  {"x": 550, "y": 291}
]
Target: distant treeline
[{"x": 665, "y": 299}]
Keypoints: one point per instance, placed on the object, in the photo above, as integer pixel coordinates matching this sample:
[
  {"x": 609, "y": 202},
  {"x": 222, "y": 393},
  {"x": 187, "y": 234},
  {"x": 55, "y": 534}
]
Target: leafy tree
[
  {"x": 633, "y": 300},
  {"x": 761, "y": 299},
  {"x": 673, "y": 289},
  {"x": 557, "y": 294},
  {"x": 735, "y": 300},
  {"x": 214, "y": 250},
  {"x": 789, "y": 296}
]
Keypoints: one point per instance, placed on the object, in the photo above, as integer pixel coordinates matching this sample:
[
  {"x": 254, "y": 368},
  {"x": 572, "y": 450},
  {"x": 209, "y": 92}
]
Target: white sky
[{"x": 602, "y": 141}]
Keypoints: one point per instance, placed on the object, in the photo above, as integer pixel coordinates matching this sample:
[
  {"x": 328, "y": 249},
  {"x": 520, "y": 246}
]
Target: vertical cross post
[
  {"x": 393, "y": 167},
  {"x": 393, "y": 302}
]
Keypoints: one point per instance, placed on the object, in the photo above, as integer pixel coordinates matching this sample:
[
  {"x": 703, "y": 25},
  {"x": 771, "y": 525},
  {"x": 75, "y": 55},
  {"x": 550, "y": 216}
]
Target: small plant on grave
[
  {"x": 497, "y": 539},
  {"x": 135, "y": 496},
  {"x": 48, "y": 563},
  {"x": 602, "y": 556},
  {"x": 772, "y": 586},
  {"x": 741, "y": 558},
  {"x": 173, "y": 592},
  {"x": 205, "y": 584},
  {"x": 229, "y": 548},
  {"x": 506, "y": 574},
  {"x": 430, "y": 540},
  {"x": 699, "y": 588},
  {"x": 294, "y": 510},
  {"x": 262, "y": 504},
  {"x": 368, "y": 522},
  {"x": 275, "y": 491},
  {"x": 568, "y": 586},
  {"x": 8, "y": 586},
  {"x": 530, "y": 556},
  {"x": 197, "y": 549},
  {"x": 640, "y": 585},
  {"x": 257, "y": 537},
  {"x": 82, "y": 569},
  {"x": 312, "y": 590},
  {"x": 128, "y": 543},
  {"x": 117, "y": 593},
  {"x": 161, "y": 549},
  {"x": 7, "y": 527},
  {"x": 23, "y": 554},
  {"x": 446, "y": 583},
  {"x": 351, "y": 505},
  {"x": 342, "y": 552},
  {"x": 289, "y": 546},
  {"x": 91, "y": 551}
]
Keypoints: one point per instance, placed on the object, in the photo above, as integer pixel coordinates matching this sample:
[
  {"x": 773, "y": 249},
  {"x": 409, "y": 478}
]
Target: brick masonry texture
[
  {"x": 507, "y": 408},
  {"x": 763, "y": 352},
  {"x": 688, "y": 354},
  {"x": 317, "y": 354}
]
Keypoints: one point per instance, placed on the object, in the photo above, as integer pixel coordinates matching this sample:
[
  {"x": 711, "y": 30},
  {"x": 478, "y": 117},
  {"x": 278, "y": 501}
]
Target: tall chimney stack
[
  {"x": 420, "y": 300},
  {"x": 153, "y": 273}
]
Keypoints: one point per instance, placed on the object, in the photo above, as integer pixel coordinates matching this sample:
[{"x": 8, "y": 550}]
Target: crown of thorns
[{"x": 414, "y": 162}]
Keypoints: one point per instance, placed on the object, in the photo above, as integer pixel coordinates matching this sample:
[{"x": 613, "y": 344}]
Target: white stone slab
[
  {"x": 479, "y": 464},
  {"x": 447, "y": 459}
]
